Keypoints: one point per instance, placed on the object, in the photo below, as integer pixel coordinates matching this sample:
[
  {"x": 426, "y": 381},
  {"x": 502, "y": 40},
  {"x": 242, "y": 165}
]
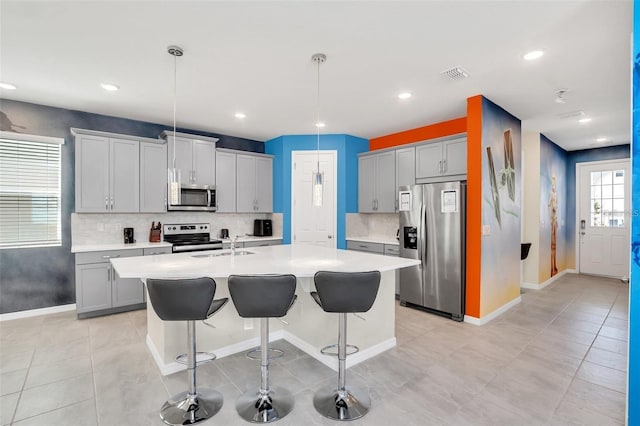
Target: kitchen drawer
[
  {"x": 104, "y": 256},
  {"x": 157, "y": 250},
  {"x": 391, "y": 250},
  {"x": 262, "y": 243},
  {"x": 368, "y": 247}
]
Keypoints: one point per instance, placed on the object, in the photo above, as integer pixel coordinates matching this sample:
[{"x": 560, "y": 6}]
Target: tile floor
[{"x": 557, "y": 358}]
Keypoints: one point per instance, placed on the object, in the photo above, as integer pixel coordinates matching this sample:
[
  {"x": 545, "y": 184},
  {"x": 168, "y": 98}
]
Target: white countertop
[
  {"x": 118, "y": 246},
  {"x": 376, "y": 239},
  {"x": 300, "y": 260}
]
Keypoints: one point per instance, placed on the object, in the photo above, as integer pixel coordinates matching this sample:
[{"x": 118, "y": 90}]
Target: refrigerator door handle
[{"x": 423, "y": 235}]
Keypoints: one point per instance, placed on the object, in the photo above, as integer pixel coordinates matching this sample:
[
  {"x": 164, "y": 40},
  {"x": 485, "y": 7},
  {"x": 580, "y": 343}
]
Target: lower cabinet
[
  {"x": 99, "y": 290},
  {"x": 377, "y": 248}
]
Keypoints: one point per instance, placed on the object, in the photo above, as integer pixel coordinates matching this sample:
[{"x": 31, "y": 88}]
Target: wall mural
[
  {"x": 501, "y": 143},
  {"x": 553, "y": 209}
]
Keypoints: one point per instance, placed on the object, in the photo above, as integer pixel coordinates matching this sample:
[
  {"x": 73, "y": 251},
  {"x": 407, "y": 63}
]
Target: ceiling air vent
[
  {"x": 455, "y": 73},
  {"x": 571, "y": 114}
]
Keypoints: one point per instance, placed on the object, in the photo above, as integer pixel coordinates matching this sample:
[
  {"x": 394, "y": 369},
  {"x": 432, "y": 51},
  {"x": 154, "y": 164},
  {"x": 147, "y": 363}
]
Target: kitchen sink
[{"x": 228, "y": 253}]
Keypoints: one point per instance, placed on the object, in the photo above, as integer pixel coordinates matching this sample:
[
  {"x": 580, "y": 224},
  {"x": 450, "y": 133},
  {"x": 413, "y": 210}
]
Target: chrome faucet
[{"x": 232, "y": 245}]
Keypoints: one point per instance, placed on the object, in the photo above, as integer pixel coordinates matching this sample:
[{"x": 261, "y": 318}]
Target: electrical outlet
[
  {"x": 248, "y": 324},
  {"x": 486, "y": 230}
]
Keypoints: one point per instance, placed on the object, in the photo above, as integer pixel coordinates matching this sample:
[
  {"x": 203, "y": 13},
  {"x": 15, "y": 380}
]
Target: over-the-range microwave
[{"x": 187, "y": 197}]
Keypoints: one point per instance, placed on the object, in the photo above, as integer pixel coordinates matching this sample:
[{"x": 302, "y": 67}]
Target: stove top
[{"x": 190, "y": 237}]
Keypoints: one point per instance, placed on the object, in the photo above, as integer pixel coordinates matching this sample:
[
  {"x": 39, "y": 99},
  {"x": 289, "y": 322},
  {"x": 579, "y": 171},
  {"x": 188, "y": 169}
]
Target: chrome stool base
[
  {"x": 185, "y": 409},
  {"x": 350, "y": 404},
  {"x": 255, "y": 407}
]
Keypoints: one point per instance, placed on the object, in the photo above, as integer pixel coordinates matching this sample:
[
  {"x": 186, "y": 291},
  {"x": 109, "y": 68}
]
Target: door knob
[{"x": 330, "y": 236}]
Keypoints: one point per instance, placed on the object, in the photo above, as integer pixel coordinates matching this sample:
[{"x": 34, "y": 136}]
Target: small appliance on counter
[
  {"x": 128, "y": 236},
  {"x": 262, "y": 228},
  {"x": 224, "y": 233}
]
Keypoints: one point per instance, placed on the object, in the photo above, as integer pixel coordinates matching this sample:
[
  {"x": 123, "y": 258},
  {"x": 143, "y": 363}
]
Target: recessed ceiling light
[
  {"x": 533, "y": 55},
  {"x": 404, "y": 95},
  {"x": 110, "y": 87},
  {"x": 584, "y": 120},
  {"x": 320, "y": 124},
  {"x": 240, "y": 115},
  {"x": 601, "y": 140},
  {"x": 7, "y": 86}
]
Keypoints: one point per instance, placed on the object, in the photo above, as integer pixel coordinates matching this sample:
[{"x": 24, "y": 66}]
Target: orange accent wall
[
  {"x": 474, "y": 205},
  {"x": 432, "y": 131}
]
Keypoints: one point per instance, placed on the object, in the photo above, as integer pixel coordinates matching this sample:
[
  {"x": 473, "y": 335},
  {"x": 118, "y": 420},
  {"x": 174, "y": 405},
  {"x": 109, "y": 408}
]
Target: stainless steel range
[{"x": 190, "y": 237}]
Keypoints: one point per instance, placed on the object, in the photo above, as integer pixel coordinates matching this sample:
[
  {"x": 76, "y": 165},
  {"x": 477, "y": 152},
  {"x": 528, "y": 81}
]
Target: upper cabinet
[
  {"x": 226, "y": 181},
  {"x": 107, "y": 173},
  {"x": 377, "y": 182},
  {"x": 254, "y": 182},
  {"x": 195, "y": 157},
  {"x": 153, "y": 177},
  {"x": 444, "y": 159}
]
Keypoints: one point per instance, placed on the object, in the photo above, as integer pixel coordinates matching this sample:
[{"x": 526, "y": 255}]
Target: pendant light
[
  {"x": 173, "y": 173},
  {"x": 317, "y": 180}
]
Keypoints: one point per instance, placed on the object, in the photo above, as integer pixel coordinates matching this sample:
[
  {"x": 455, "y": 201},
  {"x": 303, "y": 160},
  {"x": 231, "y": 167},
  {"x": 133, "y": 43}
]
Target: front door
[
  {"x": 312, "y": 224},
  {"x": 604, "y": 218}
]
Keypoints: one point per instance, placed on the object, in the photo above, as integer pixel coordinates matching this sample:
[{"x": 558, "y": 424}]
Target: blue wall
[
  {"x": 347, "y": 147},
  {"x": 573, "y": 158},
  {"x": 40, "y": 277},
  {"x": 633, "y": 393}
]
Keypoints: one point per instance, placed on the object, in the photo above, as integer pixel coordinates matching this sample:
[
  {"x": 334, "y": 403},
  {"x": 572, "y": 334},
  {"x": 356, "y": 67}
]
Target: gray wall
[{"x": 33, "y": 278}]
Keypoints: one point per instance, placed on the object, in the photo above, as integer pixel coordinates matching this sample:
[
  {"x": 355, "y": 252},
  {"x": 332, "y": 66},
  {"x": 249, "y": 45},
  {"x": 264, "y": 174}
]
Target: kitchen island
[{"x": 306, "y": 325}]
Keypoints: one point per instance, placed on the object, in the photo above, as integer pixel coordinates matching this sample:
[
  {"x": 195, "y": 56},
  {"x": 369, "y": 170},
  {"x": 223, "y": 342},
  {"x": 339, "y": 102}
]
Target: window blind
[{"x": 29, "y": 191}]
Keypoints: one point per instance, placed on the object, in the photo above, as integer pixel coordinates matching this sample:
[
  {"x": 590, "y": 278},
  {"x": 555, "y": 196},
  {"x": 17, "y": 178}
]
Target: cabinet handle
[
  {"x": 194, "y": 176},
  {"x": 111, "y": 203},
  {"x": 106, "y": 203},
  {"x": 109, "y": 274},
  {"x": 444, "y": 166},
  {"x": 373, "y": 204},
  {"x": 361, "y": 246},
  {"x": 165, "y": 202},
  {"x": 106, "y": 256}
]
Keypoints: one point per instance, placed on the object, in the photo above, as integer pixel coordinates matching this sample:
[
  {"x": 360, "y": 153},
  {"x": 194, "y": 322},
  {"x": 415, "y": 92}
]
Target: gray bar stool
[
  {"x": 187, "y": 300},
  {"x": 344, "y": 292},
  {"x": 264, "y": 297}
]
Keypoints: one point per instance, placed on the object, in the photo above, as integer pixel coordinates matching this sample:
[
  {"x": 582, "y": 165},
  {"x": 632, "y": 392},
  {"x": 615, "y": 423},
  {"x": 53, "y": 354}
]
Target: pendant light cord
[
  {"x": 175, "y": 91},
  {"x": 318, "y": 120}
]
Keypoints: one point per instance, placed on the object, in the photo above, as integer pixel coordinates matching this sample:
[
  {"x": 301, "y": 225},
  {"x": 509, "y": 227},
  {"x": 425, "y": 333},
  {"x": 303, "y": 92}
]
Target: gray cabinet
[
  {"x": 376, "y": 182},
  {"x": 98, "y": 288},
  {"x": 226, "y": 181},
  {"x": 106, "y": 174},
  {"x": 195, "y": 157},
  {"x": 405, "y": 169},
  {"x": 153, "y": 177},
  {"x": 156, "y": 250},
  {"x": 435, "y": 160},
  {"x": 254, "y": 180}
]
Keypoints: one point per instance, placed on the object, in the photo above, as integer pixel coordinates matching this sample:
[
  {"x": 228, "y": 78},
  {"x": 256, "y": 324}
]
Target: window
[
  {"x": 607, "y": 198},
  {"x": 29, "y": 190}
]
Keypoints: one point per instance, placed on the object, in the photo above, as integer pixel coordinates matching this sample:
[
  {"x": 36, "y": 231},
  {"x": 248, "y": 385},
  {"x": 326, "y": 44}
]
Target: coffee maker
[{"x": 128, "y": 236}]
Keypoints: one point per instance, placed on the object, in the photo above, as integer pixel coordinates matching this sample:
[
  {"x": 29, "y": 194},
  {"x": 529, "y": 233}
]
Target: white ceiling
[{"x": 255, "y": 57}]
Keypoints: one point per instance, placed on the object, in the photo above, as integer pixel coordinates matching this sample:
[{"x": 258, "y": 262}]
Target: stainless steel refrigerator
[{"x": 432, "y": 229}]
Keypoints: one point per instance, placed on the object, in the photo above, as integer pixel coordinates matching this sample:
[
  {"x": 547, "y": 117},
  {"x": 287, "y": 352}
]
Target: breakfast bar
[{"x": 306, "y": 325}]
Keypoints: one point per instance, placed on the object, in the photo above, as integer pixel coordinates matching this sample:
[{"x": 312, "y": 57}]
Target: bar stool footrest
[
  {"x": 332, "y": 350},
  {"x": 255, "y": 354},
  {"x": 201, "y": 358}
]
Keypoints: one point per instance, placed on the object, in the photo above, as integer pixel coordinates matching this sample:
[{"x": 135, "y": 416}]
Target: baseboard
[
  {"x": 531, "y": 286},
  {"x": 245, "y": 345},
  {"x": 37, "y": 312},
  {"x": 332, "y": 361},
  {"x": 485, "y": 319}
]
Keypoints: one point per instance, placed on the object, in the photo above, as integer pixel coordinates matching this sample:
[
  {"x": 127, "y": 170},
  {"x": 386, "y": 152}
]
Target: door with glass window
[{"x": 604, "y": 218}]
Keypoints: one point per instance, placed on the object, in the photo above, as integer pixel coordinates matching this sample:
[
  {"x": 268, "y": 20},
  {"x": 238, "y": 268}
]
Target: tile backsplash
[
  {"x": 90, "y": 228},
  {"x": 372, "y": 225}
]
